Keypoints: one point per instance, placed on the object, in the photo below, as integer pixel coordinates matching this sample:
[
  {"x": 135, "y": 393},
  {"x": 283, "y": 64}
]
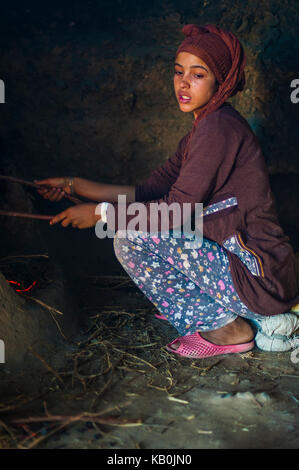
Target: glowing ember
[{"x": 17, "y": 284}]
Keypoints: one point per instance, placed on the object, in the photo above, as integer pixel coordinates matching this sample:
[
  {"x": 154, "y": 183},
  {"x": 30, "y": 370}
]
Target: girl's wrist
[
  {"x": 73, "y": 185},
  {"x": 69, "y": 185}
]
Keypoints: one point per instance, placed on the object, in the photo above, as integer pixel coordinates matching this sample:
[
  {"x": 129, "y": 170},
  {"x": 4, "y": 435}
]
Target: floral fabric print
[
  {"x": 217, "y": 206},
  {"x": 192, "y": 288}
]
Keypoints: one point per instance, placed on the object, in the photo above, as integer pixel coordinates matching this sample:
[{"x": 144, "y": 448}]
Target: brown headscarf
[{"x": 224, "y": 55}]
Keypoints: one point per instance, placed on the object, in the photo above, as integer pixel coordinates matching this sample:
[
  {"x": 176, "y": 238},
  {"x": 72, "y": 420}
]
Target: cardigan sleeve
[{"x": 208, "y": 164}]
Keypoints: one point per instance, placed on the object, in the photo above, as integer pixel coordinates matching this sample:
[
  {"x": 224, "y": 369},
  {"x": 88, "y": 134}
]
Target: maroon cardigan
[{"x": 225, "y": 161}]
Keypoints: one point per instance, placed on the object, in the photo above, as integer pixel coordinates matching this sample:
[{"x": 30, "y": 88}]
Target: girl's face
[{"x": 194, "y": 83}]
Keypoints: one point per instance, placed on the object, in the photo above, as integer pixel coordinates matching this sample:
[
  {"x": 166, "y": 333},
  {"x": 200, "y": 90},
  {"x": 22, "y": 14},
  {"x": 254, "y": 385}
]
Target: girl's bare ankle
[{"x": 236, "y": 332}]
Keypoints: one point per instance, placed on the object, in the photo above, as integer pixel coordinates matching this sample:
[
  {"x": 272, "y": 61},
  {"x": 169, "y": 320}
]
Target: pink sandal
[
  {"x": 160, "y": 317},
  {"x": 196, "y": 347}
]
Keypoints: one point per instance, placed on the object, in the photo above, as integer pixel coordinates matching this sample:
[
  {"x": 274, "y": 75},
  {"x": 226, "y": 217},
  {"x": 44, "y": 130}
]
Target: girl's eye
[{"x": 197, "y": 75}]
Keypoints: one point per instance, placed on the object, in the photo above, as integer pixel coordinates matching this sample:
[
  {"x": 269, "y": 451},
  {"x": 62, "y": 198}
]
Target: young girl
[{"x": 245, "y": 267}]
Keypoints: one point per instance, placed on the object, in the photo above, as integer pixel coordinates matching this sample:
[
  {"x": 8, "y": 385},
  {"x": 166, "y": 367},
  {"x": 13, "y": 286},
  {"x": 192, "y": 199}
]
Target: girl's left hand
[{"x": 80, "y": 216}]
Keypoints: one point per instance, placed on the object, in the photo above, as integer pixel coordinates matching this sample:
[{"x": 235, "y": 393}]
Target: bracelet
[{"x": 70, "y": 183}]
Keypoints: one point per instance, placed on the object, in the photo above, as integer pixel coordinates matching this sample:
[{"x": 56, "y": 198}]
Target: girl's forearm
[{"x": 102, "y": 192}]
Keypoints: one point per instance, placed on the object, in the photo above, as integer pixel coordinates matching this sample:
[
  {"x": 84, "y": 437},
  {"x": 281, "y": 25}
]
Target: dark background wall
[{"x": 89, "y": 93}]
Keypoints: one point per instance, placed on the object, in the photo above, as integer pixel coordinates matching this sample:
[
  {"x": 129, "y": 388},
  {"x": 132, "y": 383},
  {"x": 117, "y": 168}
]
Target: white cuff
[{"x": 104, "y": 207}]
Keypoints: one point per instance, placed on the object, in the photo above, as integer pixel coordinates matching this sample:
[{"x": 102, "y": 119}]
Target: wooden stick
[
  {"x": 12, "y": 179},
  {"x": 113, "y": 421},
  {"x": 45, "y": 364},
  {"x": 28, "y": 216}
]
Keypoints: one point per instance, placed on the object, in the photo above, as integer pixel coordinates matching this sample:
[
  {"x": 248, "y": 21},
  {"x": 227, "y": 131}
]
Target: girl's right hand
[{"x": 56, "y": 190}]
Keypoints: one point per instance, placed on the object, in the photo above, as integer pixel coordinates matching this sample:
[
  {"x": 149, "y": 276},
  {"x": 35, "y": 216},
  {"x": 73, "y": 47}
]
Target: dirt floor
[{"x": 116, "y": 387}]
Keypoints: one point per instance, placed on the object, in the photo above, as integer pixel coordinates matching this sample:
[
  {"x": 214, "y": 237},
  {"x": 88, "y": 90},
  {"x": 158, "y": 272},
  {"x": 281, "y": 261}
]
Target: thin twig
[
  {"x": 14, "y": 406},
  {"x": 11, "y": 258},
  {"x": 7, "y": 430},
  {"x": 39, "y": 439},
  {"x": 136, "y": 357},
  {"x": 43, "y": 304},
  {"x": 45, "y": 364},
  {"x": 87, "y": 417},
  {"x": 58, "y": 326},
  {"x": 141, "y": 346},
  {"x": 111, "y": 276}
]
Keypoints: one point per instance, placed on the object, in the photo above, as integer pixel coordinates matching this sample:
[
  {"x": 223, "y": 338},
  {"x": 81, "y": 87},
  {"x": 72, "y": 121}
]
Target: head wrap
[{"x": 224, "y": 55}]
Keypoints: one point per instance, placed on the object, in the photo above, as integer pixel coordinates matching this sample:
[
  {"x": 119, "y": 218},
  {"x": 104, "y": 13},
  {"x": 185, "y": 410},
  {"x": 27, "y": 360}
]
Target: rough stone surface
[{"x": 29, "y": 329}]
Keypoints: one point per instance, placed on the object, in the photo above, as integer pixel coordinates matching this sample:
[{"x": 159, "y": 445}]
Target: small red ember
[{"x": 17, "y": 284}]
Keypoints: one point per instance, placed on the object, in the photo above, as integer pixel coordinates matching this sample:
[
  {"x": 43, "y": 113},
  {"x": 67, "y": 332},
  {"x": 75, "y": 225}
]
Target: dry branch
[
  {"x": 26, "y": 215},
  {"x": 47, "y": 366}
]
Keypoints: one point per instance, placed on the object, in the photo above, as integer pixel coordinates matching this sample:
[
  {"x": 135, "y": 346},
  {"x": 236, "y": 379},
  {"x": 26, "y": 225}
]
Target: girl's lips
[{"x": 184, "y": 99}]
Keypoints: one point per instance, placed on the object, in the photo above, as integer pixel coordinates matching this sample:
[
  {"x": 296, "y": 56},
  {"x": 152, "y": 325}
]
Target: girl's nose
[{"x": 185, "y": 82}]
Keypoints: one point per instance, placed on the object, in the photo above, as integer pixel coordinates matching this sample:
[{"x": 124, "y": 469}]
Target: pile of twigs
[
  {"x": 119, "y": 346},
  {"x": 103, "y": 353}
]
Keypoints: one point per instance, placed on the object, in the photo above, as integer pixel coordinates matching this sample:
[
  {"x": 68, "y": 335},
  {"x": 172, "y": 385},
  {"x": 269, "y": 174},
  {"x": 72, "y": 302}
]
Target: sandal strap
[{"x": 196, "y": 346}]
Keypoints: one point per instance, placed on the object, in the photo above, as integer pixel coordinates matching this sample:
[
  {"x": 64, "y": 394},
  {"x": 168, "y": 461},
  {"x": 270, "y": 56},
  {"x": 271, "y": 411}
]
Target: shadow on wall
[
  {"x": 275, "y": 117},
  {"x": 89, "y": 93}
]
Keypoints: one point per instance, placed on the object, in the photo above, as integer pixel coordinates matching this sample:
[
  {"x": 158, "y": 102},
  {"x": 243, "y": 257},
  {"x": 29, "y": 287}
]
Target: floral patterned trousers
[{"x": 191, "y": 287}]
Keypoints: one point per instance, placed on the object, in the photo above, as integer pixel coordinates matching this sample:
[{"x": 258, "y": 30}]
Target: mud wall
[
  {"x": 89, "y": 93},
  {"x": 36, "y": 327}
]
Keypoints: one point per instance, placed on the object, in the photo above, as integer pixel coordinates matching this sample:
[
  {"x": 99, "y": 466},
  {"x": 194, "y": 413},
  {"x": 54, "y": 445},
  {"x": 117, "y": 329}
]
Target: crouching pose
[{"x": 244, "y": 268}]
